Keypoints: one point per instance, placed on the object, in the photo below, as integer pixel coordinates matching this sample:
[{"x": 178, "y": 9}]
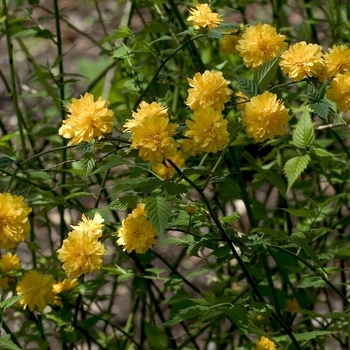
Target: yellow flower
[
  {"x": 14, "y": 225},
  {"x": 87, "y": 120},
  {"x": 241, "y": 101},
  {"x": 187, "y": 146},
  {"x": 145, "y": 110},
  {"x": 154, "y": 139},
  {"x": 203, "y": 16},
  {"x": 139, "y": 210},
  {"x": 208, "y": 90},
  {"x": 229, "y": 43},
  {"x": 302, "y": 60},
  {"x": 340, "y": 91},
  {"x": 265, "y": 117},
  {"x": 265, "y": 344},
  {"x": 42, "y": 293},
  {"x": 4, "y": 282},
  {"x": 93, "y": 226},
  {"x": 137, "y": 233},
  {"x": 167, "y": 171},
  {"x": 260, "y": 44},
  {"x": 336, "y": 60},
  {"x": 292, "y": 305},
  {"x": 63, "y": 286},
  {"x": 208, "y": 130},
  {"x": 9, "y": 262},
  {"x": 81, "y": 253}
]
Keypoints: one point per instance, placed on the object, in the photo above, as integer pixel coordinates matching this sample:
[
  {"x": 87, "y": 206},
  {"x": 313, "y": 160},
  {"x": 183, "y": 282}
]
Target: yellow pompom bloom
[
  {"x": 9, "y": 262},
  {"x": 340, "y": 91},
  {"x": 203, "y": 16},
  {"x": 292, "y": 305},
  {"x": 14, "y": 225},
  {"x": 336, "y": 60},
  {"x": 81, "y": 253},
  {"x": 167, "y": 171},
  {"x": 137, "y": 232},
  {"x": 87, "y": 120},
  {"x": 265, "y": 344},
  {"x": 94, "y": 226},
  {"x": 208, "y": 90},
  {"x": 265, "y": 117},
  {"x": 63, "y": 286},
  {"x": 145, "y": 110},
  {"x": 260, "y": 44},
  {"x": 302, "y": 60},
  {"x": 208, "y": 130},
  {"x": 42, "y": 293},
  {"x": 154, "y": 139}
]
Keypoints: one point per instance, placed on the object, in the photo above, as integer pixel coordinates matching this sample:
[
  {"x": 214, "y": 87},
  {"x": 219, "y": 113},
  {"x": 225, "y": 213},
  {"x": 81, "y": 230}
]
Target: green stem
[
  {"x": 330, "y": 284},
  {"x": 8, "y": 331},
  {"x": 14, "y": 95},
  {"x": 163, "y": 64},
  {"x": 226, "y": 238}
]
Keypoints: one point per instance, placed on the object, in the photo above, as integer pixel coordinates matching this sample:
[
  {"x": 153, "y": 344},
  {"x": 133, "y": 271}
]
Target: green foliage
[
  {"x": 304, "y": 134},
  {"x": 158, "y": 212},
  {"x": 294, "y": 167},
  {"x": 247, "y": 87},
  {"x": 265, "y": 73}
]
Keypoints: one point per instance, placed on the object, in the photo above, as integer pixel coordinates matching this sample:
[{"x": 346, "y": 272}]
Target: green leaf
[
  {"x": 304, "y": 133},
  {"x": 124, "y": 203},
  {"x": 318, "y": 103},
  {"x": 6, "y": 343},
  {"x": 88, "y": 163},
  {"x": 158, "y": 212},
  {"x": 302, "y": 212},
  {"x": 239, "y": 316},
  {"x": 264, "y": 74},
  {"x": 156, "y": 336},
  {"x": 147, "y": 185},
  {"x": 174, "y": 189},
  {"x": 111, "y": 162},
  {"x": 120, "y": 52},
  {"x": 294, "y": 167},
  {"x": 247, "y": 87},
  {"x": 86, "y": 147},
  {"x": 311, "y": 281},
  {"x": 321, "y": 109},
  {"x": 6, "y": 162},
  {"x": 331, "y": 199},
  {"x": 10, "y": 301},
  {"x": 230, "y": 219},
  {"x": 322, "y": 152},
  {"x": 303, "y": 243},
  {"x": 187, "y": 240},
  {"x": 158, "y": 90}
]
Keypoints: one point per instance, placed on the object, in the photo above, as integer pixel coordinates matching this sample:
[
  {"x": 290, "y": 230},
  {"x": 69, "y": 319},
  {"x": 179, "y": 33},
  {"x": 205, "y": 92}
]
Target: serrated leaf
[
  {"x": 187, "y": 240},
  {"x": 192, "y": 311},
  {"x": 147, "y": 185},
  {"x": 6, "y": 343},
  {"x": 10, "y": 301},
  {"x": 230, "y": 219},
  {"x": 88, "y": 163},
  {"x": 312, "y": 281},
  {"x": 302, "y": 212},
  {"x": 120, "y": 52},
  {"x": 156, "y": 336},
  {"x": 158, "y": 90},
  {"x": 111, "y": 162},
  {"x": 264, "y": 74},
  {"x": 214, "y": 34},
  {"x": 322, "y": 152},
  {"x": 321, "y": 109},
  {"x": 158, "y": 212},
  {"x": 304, "y": 133},
  {"x": 86, "y": 147},
  {"x": 294, "y": 167},
  {"x": 124, "y": 203},
  {"x": 247, "y": 87},
  {"x": 174, "y": 189},
  {"x": 239, "y": 316},
  {"x": 6, "y": 162}
]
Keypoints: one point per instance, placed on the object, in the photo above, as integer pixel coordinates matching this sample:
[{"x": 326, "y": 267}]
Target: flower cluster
[
  {"x": 260, "y": 44},
  {"x": 165, "y": 170},
  {"x": 202, "y": 16},
  {"x": 152, "y": 133},
  {"x": 340, "y": 91},
  {"x": 81, "y": 251},
  {"x": 137, "y": 232},
  {"x": 87, "y": 120},
  {"x": 63, "y": 286},
  {"x": 207, "y": 97},
  {"x": 14, "y": 225}
]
